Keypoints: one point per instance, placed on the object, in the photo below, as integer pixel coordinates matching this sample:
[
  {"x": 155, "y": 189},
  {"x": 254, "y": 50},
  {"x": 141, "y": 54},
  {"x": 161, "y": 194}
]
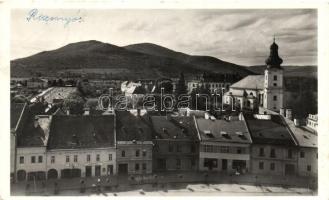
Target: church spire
[{"x": 273, "y": 61}]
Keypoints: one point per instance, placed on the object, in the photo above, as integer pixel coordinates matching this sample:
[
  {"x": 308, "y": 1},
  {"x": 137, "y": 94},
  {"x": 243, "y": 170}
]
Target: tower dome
[{"x": 274, "y": 60}]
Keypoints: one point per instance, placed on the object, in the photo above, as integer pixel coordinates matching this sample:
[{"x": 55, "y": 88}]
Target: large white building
[{"x": 260, "y": 91}]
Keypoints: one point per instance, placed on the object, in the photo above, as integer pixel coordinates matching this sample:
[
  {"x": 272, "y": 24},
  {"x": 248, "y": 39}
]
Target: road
[{"x": 202, "y": 190}]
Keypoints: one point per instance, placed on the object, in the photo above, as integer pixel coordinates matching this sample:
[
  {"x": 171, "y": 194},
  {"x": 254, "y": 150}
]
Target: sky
[{"x": 238, "y": 36}]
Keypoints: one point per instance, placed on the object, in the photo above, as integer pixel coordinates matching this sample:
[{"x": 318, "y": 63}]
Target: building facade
[
  {"x": 176, "y": 145},
  {"x": 134, "y": 143},
  {"x": 274, "y": 150},
  {"x": 224, "y": 145}
]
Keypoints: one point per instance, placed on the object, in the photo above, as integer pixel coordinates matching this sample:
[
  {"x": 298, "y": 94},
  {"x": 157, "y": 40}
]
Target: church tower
[{"x": 273, "y": 85}]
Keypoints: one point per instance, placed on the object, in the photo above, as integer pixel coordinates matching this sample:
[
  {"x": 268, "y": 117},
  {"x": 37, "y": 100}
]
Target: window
[
  {"x": 275, "y": 77},
  {"x": 308, "y": 168},
  {"x": 178, "y": 163},
  {"x": 137, "y": 153},
  {"x": 274, "y": 98},
  {"x": 97, "y": 157},
  {"x": 88, "y": 158},
  {"x": 274, "y": 84},
  {"x": 144, "y": 153},
  {"x": 239, "y": 151},
  {"x": 261, "y": 165},
  {"x": 272, "y": 166},
  {"x": 193, "y": 148},
  {"x": 75, "y": 158},
  {"x": 40, "y": 159},
  {"x": 52, "y": 159},
  {"x": 110, "y": 156},
  {"x": 67, "y": 159},
  {"x": 21, "y": 160},
  {"x": 224, "y": 149},
  {"x": 179, "y": 148},
  {"x": 136, "y": 166},
  {"x": 302, "y": 154},
  {"x": 33, "y": 159},
  {"x": 123, "y": 154},
  {"x": 144, "y": 166},
  {"x": 272, "y": 155},
  {"x": 170, "y": 148},
  {"x": 289, "y": 153},
  {"x": 261, "y": 151}
]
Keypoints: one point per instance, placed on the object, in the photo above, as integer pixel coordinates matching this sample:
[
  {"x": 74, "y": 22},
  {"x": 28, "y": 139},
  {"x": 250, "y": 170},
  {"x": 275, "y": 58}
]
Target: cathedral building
[{"x": 264, "y": 92}]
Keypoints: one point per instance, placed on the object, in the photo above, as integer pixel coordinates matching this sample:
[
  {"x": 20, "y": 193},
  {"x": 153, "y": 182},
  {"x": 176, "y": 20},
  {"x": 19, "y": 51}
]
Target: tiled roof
[
  {"x": 304, "y": 137},
  {"x": 34, "y": 133},
  {"x": 87, "y": 131},
  {"x": 269, "y": 131},
  {"x": 130, "y": 127},
  {"x": 16, "y": 110},
  {"x": 223, "y": 131},
  {"x": 173, "y": 127},
  {"x": 250, "y": 82}
]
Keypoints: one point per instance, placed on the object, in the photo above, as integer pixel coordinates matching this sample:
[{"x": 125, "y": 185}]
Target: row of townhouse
[{"x": 124, "y": 142}]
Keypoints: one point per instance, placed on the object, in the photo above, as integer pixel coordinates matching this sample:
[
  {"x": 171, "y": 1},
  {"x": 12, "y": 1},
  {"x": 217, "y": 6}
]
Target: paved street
[
  {"x": 202, "y": 189},
  {"x": 171, "y": 184}
]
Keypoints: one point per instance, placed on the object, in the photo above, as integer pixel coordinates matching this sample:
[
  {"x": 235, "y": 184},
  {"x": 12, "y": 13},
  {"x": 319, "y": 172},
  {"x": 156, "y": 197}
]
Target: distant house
[
  {"x": 274, "y": 150},
  {"x": 312, "y": 121},
  {"x": 37, "y": 83},
  {"x": 176, "y": 144},
  {"x": 134, "y": 144},
  {"x": 224, "y": 145}
]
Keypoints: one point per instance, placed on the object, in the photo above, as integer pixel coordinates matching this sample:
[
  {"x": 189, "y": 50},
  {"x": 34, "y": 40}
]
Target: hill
[
  {"x": 290, "y": 71},
  {"x": 133, "y": 61}
]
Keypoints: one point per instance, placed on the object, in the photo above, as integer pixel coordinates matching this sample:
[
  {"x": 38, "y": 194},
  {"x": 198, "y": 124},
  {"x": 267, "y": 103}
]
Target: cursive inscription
[{"x": 35, "y": 15}]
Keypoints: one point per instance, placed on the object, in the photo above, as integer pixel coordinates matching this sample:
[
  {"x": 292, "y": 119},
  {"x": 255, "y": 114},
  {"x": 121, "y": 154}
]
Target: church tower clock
[{"x": 273, "y": 80}]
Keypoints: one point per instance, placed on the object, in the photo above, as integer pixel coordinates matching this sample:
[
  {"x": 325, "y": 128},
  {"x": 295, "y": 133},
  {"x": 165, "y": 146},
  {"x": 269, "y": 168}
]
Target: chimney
[
  {"x": 289, "y": 114},
  {"x": 138, "y": 112},
  {"x": 282, "y": 112}
]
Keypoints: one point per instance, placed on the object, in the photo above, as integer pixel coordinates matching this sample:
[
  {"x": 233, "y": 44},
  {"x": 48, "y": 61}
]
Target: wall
[
  {"x": 27, "y": 153},
  {"x": 310, "y": 158},
  {"x": 131, "y": 159},
  {"x": 280, "y": 160},
  {"x": 60, "y": 160},
  {"x": 184, "y": 155},
  {"x": 229, "y": 156}
]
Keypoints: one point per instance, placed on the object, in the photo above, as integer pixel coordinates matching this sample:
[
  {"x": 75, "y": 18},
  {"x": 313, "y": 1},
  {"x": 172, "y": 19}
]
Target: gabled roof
[
  {"x": 304, "y": 136},
  {"x": 173, "y": 127},
  {"x": 235, "y": 131},
  {"x": 131, "y": 127},
  {"x": 250, "y": 82},
  {"x": 16, "y": 110},
  {"x": 35, "y": 131},
  {"x": 269, "y": 131},
  {"x": 86, "y": 131}
]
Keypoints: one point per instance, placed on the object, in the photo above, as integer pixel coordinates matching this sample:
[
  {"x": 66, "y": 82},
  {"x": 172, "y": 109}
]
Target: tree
[
  {"x": 74, "y": 103},
  {"x": 181, "y": 87}
]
